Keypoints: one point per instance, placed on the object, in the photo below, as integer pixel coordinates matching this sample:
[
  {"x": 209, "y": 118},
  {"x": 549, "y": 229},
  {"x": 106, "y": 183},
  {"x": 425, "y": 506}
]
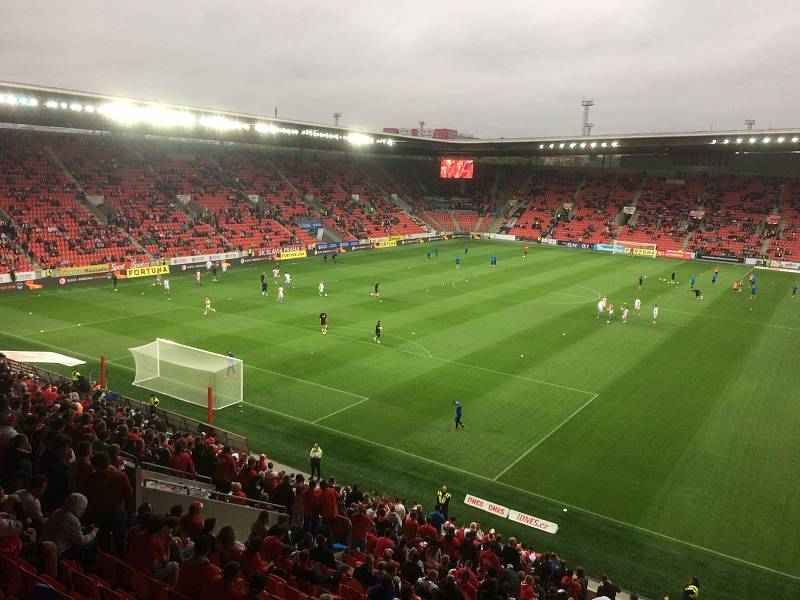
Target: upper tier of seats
[{"x": 49, "y": 181}]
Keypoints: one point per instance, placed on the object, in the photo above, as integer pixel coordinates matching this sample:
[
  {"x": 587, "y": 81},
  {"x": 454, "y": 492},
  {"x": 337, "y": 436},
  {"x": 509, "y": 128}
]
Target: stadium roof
[{"x": 32, "y": 105}]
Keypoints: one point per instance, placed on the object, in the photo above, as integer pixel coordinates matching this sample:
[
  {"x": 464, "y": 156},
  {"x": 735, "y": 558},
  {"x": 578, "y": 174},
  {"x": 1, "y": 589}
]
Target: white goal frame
[
  {"x": 191, "y": 373},
  {"x": 635, "y": 248}
]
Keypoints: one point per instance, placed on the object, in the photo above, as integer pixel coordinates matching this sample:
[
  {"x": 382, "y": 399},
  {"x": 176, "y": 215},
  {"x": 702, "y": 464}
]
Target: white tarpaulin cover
[{"x": 29, "y": 356}]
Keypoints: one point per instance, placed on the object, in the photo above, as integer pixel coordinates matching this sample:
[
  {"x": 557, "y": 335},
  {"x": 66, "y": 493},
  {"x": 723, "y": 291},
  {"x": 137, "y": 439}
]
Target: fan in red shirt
[
  {"x": 273, "y": 545},
  {"x": 489, "y": 558},
  {"x": 360, "y": 524},
  {"x": 410, "y": 527},
  {"x": 237, "y": 495},
  {"x": 182, "y": 460},
  {"x": 311, "y": 504},
  {"x": 450, "y": 543},
  {"x": 146, "y": 554},
  {"x": 228, "y": 586},
  {"x": 197, "y": 572},
  {"x": 329, "y": 501},
  {"x": 225, "y": 470},
  {"x": 106, "y": 490},
  {"x": 192, "y": 522},
  {"x": 428, "y": 532}
]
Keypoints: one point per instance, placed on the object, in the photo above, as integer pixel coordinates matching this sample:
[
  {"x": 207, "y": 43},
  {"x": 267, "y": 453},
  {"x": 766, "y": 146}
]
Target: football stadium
[{"x": 249, "y": 356}]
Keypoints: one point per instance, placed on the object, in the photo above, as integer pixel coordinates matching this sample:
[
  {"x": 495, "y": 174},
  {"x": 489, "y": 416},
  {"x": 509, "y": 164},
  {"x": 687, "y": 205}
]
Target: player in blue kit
[
  {"x": 753, "y": 290},
  {"x": 457, "y": 404},
  {"x": 691, "y": 282},
  {"x": 458, "y": 262},
  {"x": 493, "y": 262},
  {"x": 794, "y": 290}
]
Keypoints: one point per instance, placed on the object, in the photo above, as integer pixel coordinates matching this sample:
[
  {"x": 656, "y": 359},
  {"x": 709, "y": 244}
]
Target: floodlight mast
[
  {"x": 586, "y": 128},
  {"x": 336, "y": 117}
]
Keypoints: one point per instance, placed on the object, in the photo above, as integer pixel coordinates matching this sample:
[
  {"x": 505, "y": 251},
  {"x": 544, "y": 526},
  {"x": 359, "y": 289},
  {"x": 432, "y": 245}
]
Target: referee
[{"x": 316, "y": 460}]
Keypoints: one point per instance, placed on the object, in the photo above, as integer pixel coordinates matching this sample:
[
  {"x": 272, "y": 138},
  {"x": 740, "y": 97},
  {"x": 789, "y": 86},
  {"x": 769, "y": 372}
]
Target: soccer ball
[{"x": 326, "y": 295}]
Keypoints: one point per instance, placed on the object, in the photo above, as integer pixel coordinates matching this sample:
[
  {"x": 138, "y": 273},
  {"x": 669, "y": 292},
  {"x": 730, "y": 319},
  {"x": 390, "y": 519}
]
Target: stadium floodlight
[
  {"x": 88, "y": 108},
  {"x": 614, "y": 144},
  {"x": 713, "y": 141},
  {"x": 781, "y": 139},
  {"x": 165, "y": 117},
  {"x": 359, "y": 139},
  {"x": 541, "y": 146},
  {"x": 603, "y": 144},
  {"x": 752, "y": 140},
  {"x": 51, "y": 104},
  {"x": 794, "y": 140},
  {"x": 12, "y": 100},
  {"x": 62, "y": 105},
  {"x": 726, "y": 141},
  {"x": 2, "y": 99},
  {"x": 561, "y": 145},
  {"x": 738, "y": 140},
  {"x": 76, "y": 107},
  {"x": 583, "y": 144},
  {"x": 552, "y": 146},
  {"x": 221, "y": 123},
  {"x": 122, "y": 112},
  {"x": 572, "y": 145},
  {"x": 593, "y": 144},
  {"x": 33, "y": 102},
  {"x": 767, "y": 140}
]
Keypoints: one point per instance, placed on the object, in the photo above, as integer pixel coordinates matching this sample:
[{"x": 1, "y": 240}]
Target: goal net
[
  {"x": 634, "y": 248},
  {"x": 186, "y": 373}
]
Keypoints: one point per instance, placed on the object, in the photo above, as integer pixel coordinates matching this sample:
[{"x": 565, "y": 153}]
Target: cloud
[{"x": 494, "y": 69}]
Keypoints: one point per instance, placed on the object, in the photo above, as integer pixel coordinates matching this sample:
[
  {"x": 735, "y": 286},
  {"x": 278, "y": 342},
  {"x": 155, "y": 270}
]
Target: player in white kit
[
  {"x": 637, "y": 306},
  {"x": 197, "y": 277},
  {"x": 224, "y": 267},
  {"x": 166, "y": 286},
  {"x": 601, "y": 306},
  {"x": 287, "y": 279},
  {"x": 655, "y": 314},
  {"x": 209, "y": 264},
  {"x": 208, "y": 306},
  {"x": 276, "y": 272},
  {"x": 280, "y": 294},
  {"x": 624, "y": 314},
  {"x": 321, "y": 288}
]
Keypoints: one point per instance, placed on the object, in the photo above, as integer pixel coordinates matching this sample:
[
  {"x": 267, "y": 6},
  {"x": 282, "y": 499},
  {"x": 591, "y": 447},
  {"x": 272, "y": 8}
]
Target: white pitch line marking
[
  {"x": 544, "y": 439},
  {"x": 308, "y": 381},
  {"x": 336, "y": 412},
  {"x": 120, "y": 318},
  {"x": 555, "y": 501}
]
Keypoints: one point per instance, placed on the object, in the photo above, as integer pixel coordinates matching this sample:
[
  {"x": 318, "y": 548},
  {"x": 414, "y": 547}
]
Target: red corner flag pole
[
  {"x": 103, "y": 371},
  {"x": 210, "y": 411}
]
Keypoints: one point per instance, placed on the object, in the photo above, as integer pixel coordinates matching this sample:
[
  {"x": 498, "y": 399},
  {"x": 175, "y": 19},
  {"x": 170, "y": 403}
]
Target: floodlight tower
[
  {"x": 336, "y": 117},
  {"x": 749, "y": 123},
  {"x": 421, "y": 127},
  {"x": 587, "y": 126}
]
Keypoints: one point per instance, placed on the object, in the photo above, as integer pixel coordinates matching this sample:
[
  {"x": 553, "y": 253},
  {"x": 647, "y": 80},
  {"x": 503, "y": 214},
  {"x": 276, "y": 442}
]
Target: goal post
[
  {"x": 188, "y": 373},
  {"x": 634, "y": 248}
]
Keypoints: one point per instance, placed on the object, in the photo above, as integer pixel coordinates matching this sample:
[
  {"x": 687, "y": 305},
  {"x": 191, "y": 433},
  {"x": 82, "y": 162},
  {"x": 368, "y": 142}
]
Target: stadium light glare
[
  {"x": 572, "y": 145},
  {"x": 794, "y": 140},
  {"x": 359, "y": 139},
  {"x": 738, "y": 140},
  {"x": 583, "y": 144},
  {"x": 561, "y": 145},
  {"x": 614, "y": 144},
  {"x": 752, "y": 140},
  {"x": 713, "y": 141},
  {"x": 12, "y": 100},
  {"x": 33, "y": 102},
  {"x": 88, "y": 108},
  {"x": 603, "y": 144},
  {"x": 76, "y": 107},
  {"x": 62, "y": 105},
  {"x": 593, "y": 145},
  {"x": 552, "y": 146},
  {"x": 726, "y": 141},
  {"x": 781, "y": 139},
  {"x": 767, "y": 140},
  {"x": 541, "y": 146},
  {"x": 51, "y": 104},
  {"x": 221, "y": 123}
]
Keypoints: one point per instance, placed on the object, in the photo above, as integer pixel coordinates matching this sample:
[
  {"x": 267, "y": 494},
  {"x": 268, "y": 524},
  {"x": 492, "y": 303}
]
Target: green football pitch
[{"x": 661, "y": 450}]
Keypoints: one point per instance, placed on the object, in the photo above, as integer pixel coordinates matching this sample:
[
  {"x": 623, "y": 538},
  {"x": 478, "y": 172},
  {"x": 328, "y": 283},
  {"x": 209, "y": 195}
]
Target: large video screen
[{"x": 456, "y": 168}]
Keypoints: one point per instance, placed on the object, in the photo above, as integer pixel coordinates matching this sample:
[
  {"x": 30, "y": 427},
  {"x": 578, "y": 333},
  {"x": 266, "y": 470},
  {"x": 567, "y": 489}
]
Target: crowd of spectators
[{"x": 66, "y": 498}]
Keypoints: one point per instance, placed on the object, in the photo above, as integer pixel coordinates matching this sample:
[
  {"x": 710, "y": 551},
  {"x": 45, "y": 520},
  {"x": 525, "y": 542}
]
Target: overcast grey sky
[{"x": 503, "y": 68}]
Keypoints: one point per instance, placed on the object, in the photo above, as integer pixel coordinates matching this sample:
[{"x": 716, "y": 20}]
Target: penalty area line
[
  {"x": 301, "y": 380},
  {"x": 336, "y": 412},
  {"x": 546, "y": 436},
  {"x": 585, "y": 511}
]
